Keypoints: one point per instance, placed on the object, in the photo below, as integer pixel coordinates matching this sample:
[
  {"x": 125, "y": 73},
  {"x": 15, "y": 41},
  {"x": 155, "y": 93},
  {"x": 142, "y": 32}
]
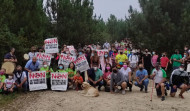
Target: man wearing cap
[
  {"x": 179, "y": 79},
  {"x": 120, "y": 59},
  {"x": 176, "y": 59},
  {"x": 159, "y": 76}
]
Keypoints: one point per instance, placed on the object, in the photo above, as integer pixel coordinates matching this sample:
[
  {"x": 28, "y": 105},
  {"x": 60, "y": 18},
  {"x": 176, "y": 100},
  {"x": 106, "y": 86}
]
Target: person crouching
[
  {"x": 9, "y": 85},
  {"x": 78, "y": 80}
]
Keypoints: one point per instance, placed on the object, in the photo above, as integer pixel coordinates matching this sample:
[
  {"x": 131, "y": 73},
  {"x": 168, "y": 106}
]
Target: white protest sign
[
  {"x": 37, "y": 80},
  {"x": 66, "y": 59},
  {"x": 81, "y": 63},
  {"x": 59, "y": 81},
  {"x": 51, "y": 45},
  {"x": 43, "y": 57},
  {"x": 101, "y": 52}
]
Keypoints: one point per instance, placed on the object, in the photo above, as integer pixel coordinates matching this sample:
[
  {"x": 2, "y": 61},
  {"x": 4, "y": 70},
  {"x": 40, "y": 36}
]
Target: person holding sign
[
  {"x": 71, "y": 72},
  {"x": 48, "y": 71},
  {"x": 78, "y": 80},
  {"x": 61, "y": 68},
  {"x": 95, "y": 76},
  {"x": 32, "y": 65}
]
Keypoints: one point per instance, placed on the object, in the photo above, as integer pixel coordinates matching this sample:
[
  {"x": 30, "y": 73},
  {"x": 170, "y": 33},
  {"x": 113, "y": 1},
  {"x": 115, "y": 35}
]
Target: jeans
[
  {"x": 24, "y": 86},
  {"x": 99, "y": 84},
  {"x": 144, "y": 83}
]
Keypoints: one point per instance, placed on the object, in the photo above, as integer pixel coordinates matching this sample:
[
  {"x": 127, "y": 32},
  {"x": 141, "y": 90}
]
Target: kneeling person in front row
[
  {"x": 9, "y": 85},
  {"x": 179, "y": 79},
  {"x": 117, "y": 81},
  {"x": 78, "y": 80},
  {"x": 20, "y": 79},
  {"x": 142, "y": 78},
  {"x": 95, "y": 76},
  {"x": 159, "y": 76}
]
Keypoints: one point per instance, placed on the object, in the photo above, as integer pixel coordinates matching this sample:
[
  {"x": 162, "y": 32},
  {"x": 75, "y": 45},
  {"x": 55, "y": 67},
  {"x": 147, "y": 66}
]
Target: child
[
  {"x": 9, "y": 84},
  {"x": 2, "y": 78},
  {"x": 78, "y": 80}
]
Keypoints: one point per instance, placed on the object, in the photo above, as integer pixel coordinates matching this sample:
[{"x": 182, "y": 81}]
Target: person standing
[
  {"x": 146, "y": 60},
  {"x": 106, "y": 45},
  {"x": 176, "y": 59},
  {"x": 33, "y": 52},
  {"x": 154, "y": 59},
  {"x": 120, "y": 59},
  {"x": 164, "y": 61}
]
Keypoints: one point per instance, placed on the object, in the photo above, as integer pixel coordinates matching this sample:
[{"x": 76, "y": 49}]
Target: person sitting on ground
[
  {"x": 117, "y": 81},
  {"x": 9, "y": 85},
  {"x": 71, "y": 73},
  {"x": 20, "y": 79},
  {"x": 120, "y": 59},
  {"x": 2, "y": 78},
  {"x": 142, "y": 78},
  {"x": 95, "y": 76},
  {"x": 107, "y": 75},
  {"x": 159, "y": 76},
  {"x": 126, "y": 71},
  {"x": 48, "y": 70},
  {"x": 10, "y": 57},
  {"x": 78, "y": 80},
  {"x": 179, "y": 79}
]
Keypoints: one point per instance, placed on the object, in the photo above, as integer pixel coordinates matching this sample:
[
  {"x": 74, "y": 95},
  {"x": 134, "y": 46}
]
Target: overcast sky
[{"x": 117, "y": 7}]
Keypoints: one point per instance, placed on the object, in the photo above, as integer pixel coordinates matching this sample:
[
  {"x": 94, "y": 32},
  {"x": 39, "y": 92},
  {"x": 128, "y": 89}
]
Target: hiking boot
[
  {"x": 163, "y": 98},
  {"x": 142, "y": 87},
  {"x": 146, "y": 91},
  {"x": 123, "y": 92}
]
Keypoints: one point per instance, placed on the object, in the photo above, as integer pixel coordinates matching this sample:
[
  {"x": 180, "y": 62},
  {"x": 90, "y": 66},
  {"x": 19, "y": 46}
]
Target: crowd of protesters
[{"x": 118, "y": 70}]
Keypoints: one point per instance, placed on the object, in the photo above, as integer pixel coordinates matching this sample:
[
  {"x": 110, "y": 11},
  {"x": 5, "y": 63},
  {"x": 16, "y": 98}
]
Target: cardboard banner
[
  {"x": 43, "y": 57},
  {"x": 51, "y": 45},
  {"x": 37, "y": 80},
  {"x": 59, "y": 81},
  {"x": 71, "y": 49},
  {"x": 66, "y": 60},
  {"x": 81, "y": 63},
  {"x": 101, "y": 52},
  {"x": 188, "y": 68}
]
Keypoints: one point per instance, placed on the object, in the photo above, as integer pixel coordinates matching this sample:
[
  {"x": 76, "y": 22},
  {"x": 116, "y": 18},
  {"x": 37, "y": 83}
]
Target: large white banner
[
  {"x": 81, "y": 63},
  {"x": 43, "y": 57},
  {"x": 66, "y": 59},
  {"x": 37, "y": 80},
  {"x": 51, "y": 45},
  {"x": 59, "y": 81},
  {"x": 101, "y": 52}
]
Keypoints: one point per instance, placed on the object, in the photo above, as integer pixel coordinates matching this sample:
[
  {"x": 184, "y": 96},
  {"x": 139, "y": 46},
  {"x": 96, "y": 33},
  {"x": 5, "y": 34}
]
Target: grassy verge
[{"x": 7, "y": 99}]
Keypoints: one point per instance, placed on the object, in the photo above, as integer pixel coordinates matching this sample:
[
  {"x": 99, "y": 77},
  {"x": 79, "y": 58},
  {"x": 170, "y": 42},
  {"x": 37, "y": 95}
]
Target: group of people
[{"x": 120, "y": 68}]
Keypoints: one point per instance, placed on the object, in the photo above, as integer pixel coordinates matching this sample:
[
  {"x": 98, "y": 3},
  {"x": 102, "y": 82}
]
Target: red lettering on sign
[{"x": 37, "y": 75}]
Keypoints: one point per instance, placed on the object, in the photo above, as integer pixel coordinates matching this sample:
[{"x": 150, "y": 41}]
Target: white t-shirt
[
  {"x": 18, "y": 75},
  {"x": 159, "y": 75},
  {"x": 32, "y": 54},
  {"x": 9, "y": 83},
  {"x": 133, "y": 59},
  {"x": 125, "y": 73}
]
